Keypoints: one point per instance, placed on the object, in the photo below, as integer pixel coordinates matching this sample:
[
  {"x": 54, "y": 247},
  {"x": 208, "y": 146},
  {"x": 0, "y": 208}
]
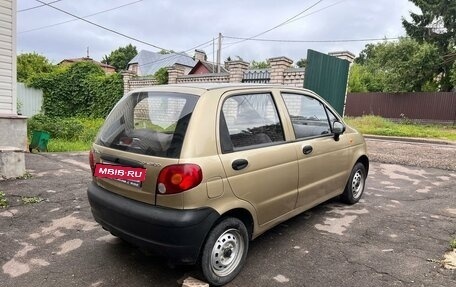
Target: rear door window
[
  {"x": 149, "y": 123},
  {"x": 249, "y": 121}
]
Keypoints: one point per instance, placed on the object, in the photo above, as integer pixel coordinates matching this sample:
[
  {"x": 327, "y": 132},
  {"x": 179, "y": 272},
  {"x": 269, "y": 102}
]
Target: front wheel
[
  {"x": 355, "y": 185},
  {"x": 225, "y": 251}
]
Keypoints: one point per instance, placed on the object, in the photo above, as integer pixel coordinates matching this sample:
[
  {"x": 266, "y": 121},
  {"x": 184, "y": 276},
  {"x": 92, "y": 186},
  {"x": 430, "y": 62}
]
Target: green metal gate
[{"x": 327, "y": 76}]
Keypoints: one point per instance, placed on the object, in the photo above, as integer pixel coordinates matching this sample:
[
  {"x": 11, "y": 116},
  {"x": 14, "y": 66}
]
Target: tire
[
  {"x": 355, "y": 185},
  {"x": 224, "y": 251}
]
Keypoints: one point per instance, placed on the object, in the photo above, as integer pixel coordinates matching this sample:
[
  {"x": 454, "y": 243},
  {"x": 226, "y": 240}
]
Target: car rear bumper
[{"x": 174, "y": 233}]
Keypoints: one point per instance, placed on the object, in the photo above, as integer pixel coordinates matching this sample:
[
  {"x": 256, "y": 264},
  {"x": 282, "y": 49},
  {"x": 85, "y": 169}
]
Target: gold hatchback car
[{"x": 194, "y": 172}]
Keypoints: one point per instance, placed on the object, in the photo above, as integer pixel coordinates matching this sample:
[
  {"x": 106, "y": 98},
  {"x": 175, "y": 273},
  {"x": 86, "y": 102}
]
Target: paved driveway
[{"x": 394, "y": 237}]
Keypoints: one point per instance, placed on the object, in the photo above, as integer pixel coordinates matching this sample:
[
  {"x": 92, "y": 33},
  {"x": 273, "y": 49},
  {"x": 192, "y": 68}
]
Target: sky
[{"x": 183, "y": 25}]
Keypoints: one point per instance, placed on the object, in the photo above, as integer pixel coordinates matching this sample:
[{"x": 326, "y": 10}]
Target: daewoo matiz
[{"x": 195, "y": 172}]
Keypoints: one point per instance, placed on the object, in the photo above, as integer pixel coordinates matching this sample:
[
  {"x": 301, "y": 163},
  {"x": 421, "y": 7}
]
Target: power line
[
  {"x": 38, "y": 6},
  {"x": 103, "y": 27},
  {"x": 312, "y": 41},
  {"x": 316, "y": 11},
  {"x": 277, "y": 26},
  {"x": 72, "y": 20}
]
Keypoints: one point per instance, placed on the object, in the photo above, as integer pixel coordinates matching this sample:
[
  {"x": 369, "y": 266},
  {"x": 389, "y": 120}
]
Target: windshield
[{"x": 149, "y": 123}]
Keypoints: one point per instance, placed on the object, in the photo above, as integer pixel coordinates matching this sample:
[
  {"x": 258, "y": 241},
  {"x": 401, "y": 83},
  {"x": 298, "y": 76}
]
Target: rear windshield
[{"x": 149, "y": 123}]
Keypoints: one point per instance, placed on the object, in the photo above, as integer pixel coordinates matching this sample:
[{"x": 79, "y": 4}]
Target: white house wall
[{"x": 7, "y": 57}]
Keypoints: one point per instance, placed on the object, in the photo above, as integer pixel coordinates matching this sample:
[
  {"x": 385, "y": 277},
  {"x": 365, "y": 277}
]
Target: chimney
[{"x": 200, "y": 55}]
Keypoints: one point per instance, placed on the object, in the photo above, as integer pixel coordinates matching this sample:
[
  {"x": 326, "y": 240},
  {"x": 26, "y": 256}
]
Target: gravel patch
[{"x": 427, "y": 155}]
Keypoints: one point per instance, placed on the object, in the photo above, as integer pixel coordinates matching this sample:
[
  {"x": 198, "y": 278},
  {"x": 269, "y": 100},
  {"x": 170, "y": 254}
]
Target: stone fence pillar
[
  {"x": 278, "y": 66},
  {"x": 126, "y": 77},
  {"x": 236, "y": 69},
  {"x": 174, "y": 72}
]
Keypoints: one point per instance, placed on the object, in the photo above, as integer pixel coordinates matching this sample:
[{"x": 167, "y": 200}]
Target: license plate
[{"x": 126, "y": 174}]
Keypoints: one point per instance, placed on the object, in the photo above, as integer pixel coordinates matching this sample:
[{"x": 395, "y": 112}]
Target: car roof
[{"x": 201, "y": 88}]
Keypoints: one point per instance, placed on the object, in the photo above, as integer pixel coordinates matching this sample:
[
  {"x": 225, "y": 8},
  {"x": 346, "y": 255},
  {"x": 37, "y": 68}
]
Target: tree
[
  {"x": 403, "y": 66},
  {"x": 436, "y": 25},
  {"x": 30, "y": 65},
  {"x": 302, "y": 63},
  {"x": 120, "y": 57},
  {"x": 161, "y": 76},
  {"x": 260, "y": 65},
  {"x": 166, "y": 52}
]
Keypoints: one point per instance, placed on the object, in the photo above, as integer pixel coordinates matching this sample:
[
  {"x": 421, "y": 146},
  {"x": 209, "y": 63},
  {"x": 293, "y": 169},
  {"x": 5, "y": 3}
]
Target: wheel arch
[{"x": 365, "y": 161}]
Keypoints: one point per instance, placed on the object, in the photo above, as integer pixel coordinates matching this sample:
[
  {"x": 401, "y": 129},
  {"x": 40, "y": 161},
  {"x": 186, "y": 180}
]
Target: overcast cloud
[{"x": 180, "y": 25}]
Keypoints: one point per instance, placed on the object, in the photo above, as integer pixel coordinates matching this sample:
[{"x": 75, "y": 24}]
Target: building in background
[
  {"x": 108, "y": 69},
  {"x": 147, "y": 63}
]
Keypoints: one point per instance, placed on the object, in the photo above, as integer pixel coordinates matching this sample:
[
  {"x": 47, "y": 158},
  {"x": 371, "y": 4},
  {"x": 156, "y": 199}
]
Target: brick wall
[
  {"x": 294, "y": 77},
  {"x": 280, "y": 72},
  {"x": 204, "y": 78}
]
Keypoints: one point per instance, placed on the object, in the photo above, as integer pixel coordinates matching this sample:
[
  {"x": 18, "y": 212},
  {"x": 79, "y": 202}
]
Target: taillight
[
  {"x": 92, "y": 161},
  {"x": 178, "y": 178}
]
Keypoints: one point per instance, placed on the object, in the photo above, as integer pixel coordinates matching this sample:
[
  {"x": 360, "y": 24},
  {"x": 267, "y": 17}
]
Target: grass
[
  {"x": 81, "y": 138},
  {"x": 375, "y": 125},
  {"x": 31, "y": 199},
  {"x": 60, "y": 145},
  {"x": 453, "y": 243},
  {"x": 3, "y": 201}
]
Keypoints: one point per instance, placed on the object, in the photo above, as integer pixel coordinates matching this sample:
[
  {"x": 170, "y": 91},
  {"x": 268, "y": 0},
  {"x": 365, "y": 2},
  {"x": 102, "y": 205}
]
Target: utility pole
[{"x": 219, "y": 51}]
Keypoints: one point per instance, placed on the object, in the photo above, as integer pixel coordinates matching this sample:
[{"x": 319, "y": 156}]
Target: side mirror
[{"x": 338, "y": 129}]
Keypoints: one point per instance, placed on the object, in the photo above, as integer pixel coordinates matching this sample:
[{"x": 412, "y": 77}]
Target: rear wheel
[
  {"x": 225, "y": 251},
  {"x": 355, "y": 185}
]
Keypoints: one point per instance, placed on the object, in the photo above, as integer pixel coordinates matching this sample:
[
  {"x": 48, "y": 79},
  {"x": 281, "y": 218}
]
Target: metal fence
[
  {"x": 29, "y": 100},
  {"x": 439, "y": 107}
]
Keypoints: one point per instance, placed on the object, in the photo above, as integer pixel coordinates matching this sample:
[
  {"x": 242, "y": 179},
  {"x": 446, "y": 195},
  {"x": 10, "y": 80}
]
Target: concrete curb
[{"x": 408, "y": 139}]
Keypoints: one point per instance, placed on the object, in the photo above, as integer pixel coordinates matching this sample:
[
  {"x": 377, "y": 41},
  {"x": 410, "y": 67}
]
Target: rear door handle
[
  {"x": 307, "y": 149},
  {"x": 239, "y": 164}
]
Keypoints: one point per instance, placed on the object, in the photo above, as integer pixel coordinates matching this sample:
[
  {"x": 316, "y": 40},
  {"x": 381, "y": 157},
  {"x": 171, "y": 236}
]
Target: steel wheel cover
[{"x": 227, "y": 252}]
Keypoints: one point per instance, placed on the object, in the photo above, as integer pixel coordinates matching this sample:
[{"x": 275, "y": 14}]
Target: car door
[
  {"x": 322, "y": 157},
  {"x": 260, "y": 166}
]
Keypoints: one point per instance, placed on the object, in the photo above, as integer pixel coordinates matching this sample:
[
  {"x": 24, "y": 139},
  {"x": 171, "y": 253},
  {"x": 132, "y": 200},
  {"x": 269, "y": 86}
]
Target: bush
[
  {"x": 80, "y": 90},
  {"x": 63, "y": 128},
  {"x": 73, "y": 129}
]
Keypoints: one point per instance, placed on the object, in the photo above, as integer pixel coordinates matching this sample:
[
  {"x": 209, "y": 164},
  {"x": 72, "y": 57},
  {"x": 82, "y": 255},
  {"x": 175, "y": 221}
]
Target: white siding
[{"x": 8, "y": 57}]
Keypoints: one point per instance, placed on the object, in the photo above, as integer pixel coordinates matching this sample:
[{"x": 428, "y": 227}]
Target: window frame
[{"x": 223, "y": 131}]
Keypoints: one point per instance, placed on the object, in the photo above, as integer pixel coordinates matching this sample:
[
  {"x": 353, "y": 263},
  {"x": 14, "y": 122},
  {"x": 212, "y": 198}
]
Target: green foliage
[
  {"x": 3, "y": 200},
  {"x": 259, "y": 65},
  {"x": 453, "y": 243},
  {"x": 120, "y": 57},
  {"x": 81, "y": 89},
  {"x": 30, "y": 65},
  {"x": 453, "y": 75},
  {"x": 403, "y": 66},
  {"x": 63, "y": 128},
  {"x": 107, "y": 90},
  {"x": 161, "y": 76},
  {"x": 436, "y": 24},
  {"x": 84, "y": 129},
  {"x": 31, "y": 199},
  {"x": 302, "y": 63},
  {"x": 166, "y": 52},
  {"x": 358, "y": 79}
]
